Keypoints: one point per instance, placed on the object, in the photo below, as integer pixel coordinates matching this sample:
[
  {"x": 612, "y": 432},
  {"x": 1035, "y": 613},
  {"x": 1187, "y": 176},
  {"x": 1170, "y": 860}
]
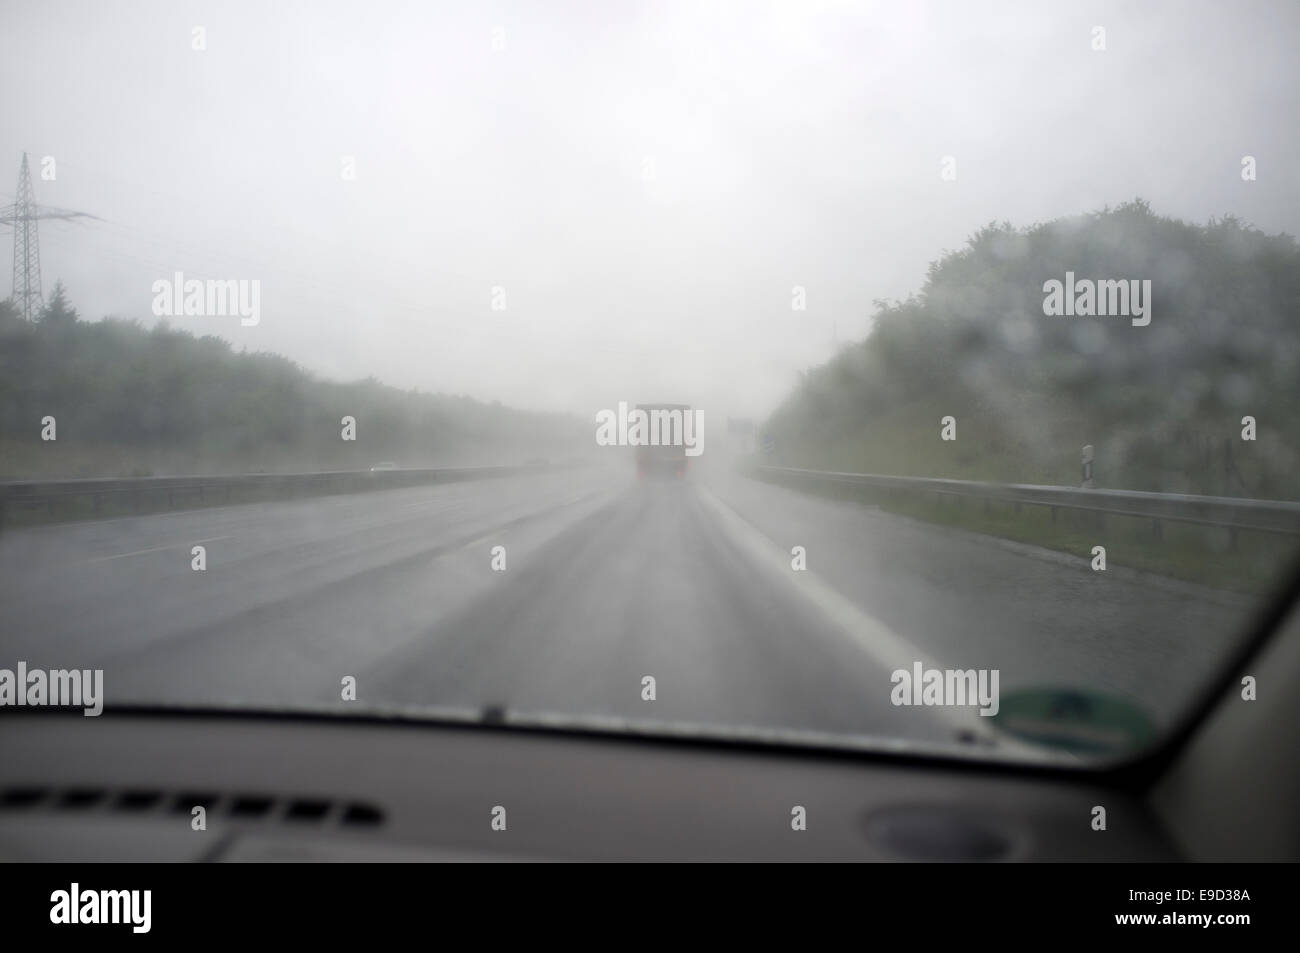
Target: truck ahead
[{"x": 666, "y": 457}]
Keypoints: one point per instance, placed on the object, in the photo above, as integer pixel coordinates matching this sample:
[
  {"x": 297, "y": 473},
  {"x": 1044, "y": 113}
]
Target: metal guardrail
[
  {"x": 201, "y": 488},
  {"x": 1273, "y": 516}
]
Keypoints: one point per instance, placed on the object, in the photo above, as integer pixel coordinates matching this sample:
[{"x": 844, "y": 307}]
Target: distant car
[{"x": 387, "y": 465}]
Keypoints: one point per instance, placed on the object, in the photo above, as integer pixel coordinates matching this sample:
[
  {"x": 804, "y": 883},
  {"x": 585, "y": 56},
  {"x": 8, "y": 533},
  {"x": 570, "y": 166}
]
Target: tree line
[
  {"x": 1163, "y": 403},
  {"x": 130, "y": 400}
]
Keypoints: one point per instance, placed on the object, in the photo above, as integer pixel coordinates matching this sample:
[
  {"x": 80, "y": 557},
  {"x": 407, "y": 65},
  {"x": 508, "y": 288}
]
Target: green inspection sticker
[{"x": 1076, "y": 720}]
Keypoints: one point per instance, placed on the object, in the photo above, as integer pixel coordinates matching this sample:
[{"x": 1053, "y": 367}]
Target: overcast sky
[{"x": 646, "y": 181}]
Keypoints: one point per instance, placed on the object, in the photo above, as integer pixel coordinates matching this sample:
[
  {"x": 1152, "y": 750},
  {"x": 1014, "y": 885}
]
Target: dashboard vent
[{"x": 235, "y": 806}]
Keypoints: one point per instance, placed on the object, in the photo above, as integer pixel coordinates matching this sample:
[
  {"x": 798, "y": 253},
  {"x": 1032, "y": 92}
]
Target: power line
[{"x": 23, "y": 215}]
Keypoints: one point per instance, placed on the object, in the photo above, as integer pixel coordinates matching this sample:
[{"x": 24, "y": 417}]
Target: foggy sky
[{"x": 787, "y": 144}]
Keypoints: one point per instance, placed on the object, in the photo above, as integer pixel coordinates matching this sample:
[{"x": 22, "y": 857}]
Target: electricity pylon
[{"x": 23, "y": 216}]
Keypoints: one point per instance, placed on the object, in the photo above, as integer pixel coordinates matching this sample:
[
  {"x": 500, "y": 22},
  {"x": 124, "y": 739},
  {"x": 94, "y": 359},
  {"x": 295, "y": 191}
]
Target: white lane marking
[
  {"x": 885, "y": 646},
  {"x": 496, "y": 533},
  {"x": 428, "y": 506},
  {"x": 157, "y": 549}
]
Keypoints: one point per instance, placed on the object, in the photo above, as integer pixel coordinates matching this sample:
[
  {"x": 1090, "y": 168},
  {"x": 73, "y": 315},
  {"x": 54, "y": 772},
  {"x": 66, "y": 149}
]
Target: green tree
[{"x": 58, "y": 311}]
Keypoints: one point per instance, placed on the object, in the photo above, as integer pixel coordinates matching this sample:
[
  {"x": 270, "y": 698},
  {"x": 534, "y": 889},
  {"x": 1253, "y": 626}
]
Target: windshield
[{"x": 911, "y": 375}]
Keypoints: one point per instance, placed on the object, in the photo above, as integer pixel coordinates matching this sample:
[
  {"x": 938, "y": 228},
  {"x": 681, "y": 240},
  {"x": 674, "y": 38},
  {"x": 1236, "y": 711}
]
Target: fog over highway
[
  {"x": 926, "y": 241},
  {"x": 599, "y": 581}
]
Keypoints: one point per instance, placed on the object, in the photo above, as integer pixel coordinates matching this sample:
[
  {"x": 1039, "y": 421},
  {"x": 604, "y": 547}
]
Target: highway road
[{"x": 607, "y": 580}]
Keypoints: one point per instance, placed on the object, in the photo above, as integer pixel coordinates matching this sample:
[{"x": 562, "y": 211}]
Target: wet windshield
[{"x": 916, "y": 375}]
